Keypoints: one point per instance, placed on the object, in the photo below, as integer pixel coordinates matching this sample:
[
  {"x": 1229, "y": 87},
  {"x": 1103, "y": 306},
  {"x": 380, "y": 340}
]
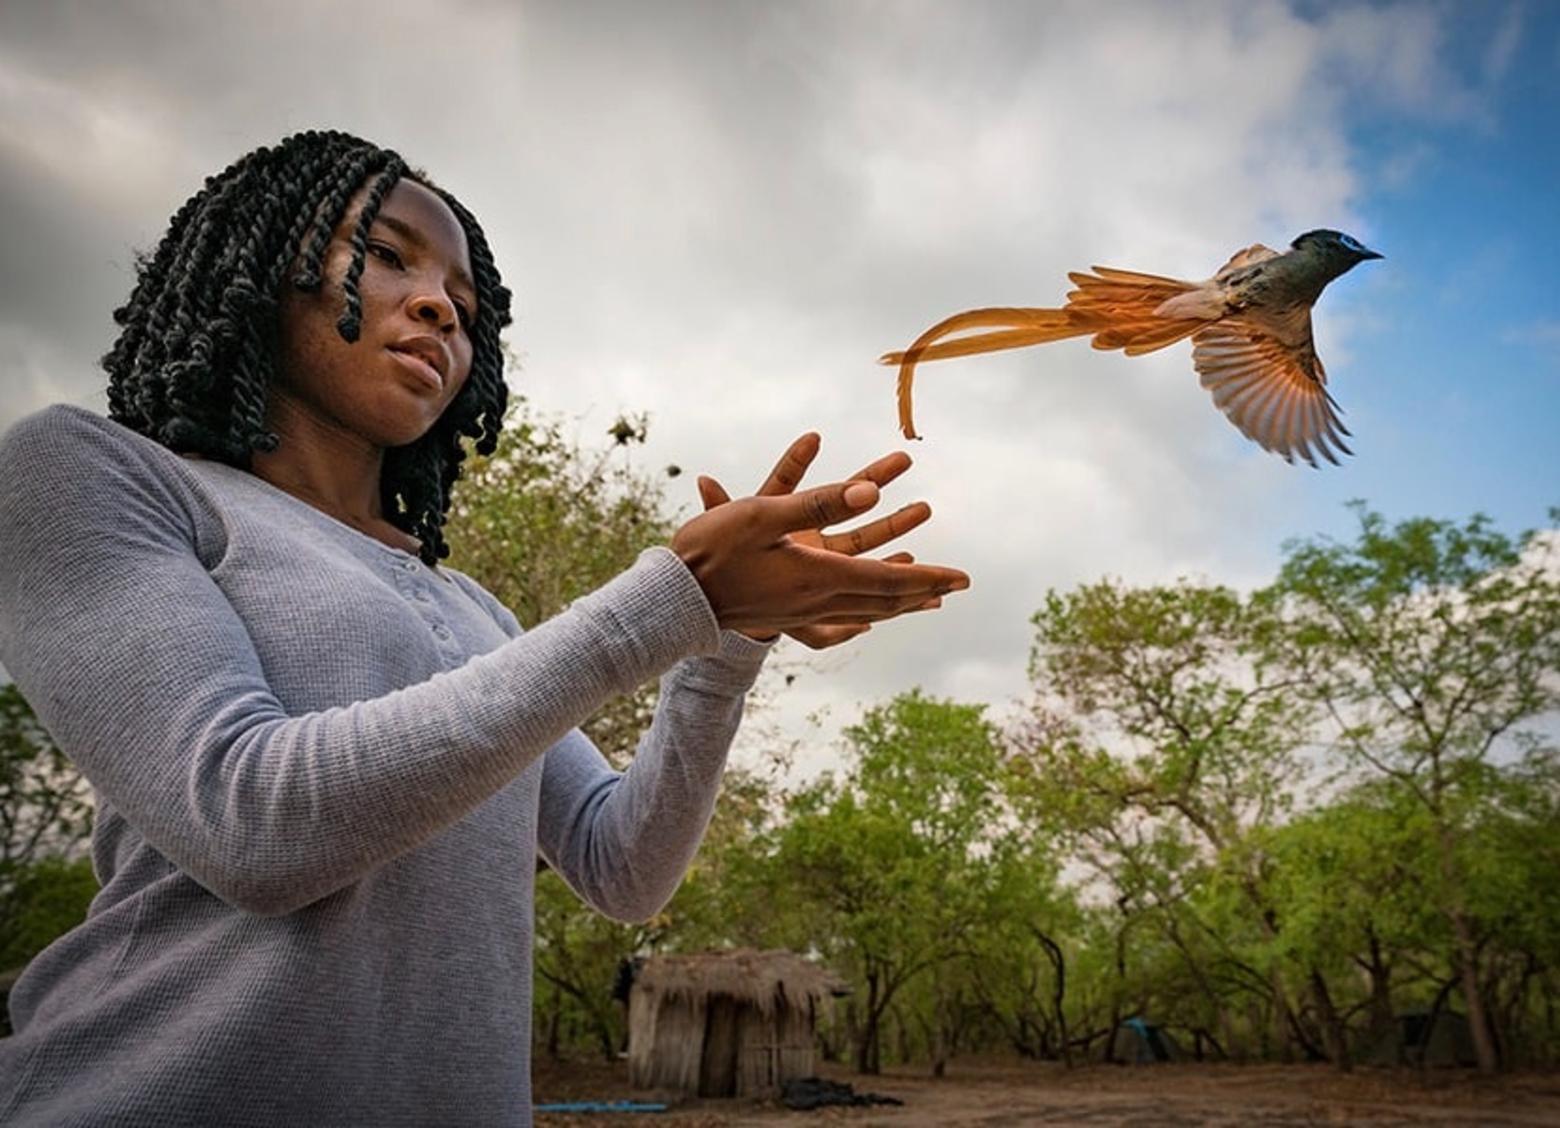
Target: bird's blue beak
[{"x": 1367, "y": 253}]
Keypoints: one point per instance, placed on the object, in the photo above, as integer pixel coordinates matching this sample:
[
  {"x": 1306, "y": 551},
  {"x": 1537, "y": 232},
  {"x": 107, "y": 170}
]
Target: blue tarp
[{"x": 601, "y": 1106}]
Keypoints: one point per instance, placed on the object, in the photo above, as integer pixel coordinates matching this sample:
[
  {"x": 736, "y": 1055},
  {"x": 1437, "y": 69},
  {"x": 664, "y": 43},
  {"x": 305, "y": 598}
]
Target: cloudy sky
[{"x": 721, "y": 213}]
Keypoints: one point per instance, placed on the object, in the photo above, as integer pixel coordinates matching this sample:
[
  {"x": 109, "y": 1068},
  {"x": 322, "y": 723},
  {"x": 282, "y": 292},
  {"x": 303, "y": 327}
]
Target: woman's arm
[
  {"x": 623, "y": 841},
  {"x": 143, "y": 673}
]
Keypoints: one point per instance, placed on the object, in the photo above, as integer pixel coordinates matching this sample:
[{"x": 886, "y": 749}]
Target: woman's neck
[{"x": 330, "y": 468}]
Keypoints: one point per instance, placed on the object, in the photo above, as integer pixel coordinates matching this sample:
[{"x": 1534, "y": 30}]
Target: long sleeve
[
  {"x": 624, "y": 841},
  {"x": 135, "y": 661}
]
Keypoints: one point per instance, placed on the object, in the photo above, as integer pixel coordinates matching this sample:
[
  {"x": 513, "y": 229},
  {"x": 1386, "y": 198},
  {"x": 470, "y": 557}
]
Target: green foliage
[
  {"x": 1432, "y": 647},
  {"x": 49, "y": 897},
  {"x": 892, "y": 872},
  {"x": 1215, "y": 816},
  {"x": 44, "y": 816},
  {"x": 1428, "y": 643}
]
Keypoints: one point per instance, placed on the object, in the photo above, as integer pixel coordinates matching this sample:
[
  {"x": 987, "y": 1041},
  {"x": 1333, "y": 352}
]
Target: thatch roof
[{"x": 760, "y": 979}]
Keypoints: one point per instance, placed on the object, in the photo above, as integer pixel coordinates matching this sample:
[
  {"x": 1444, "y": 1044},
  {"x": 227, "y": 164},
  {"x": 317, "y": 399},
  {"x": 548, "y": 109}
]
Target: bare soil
[{"x": 1010, "y": 1094}]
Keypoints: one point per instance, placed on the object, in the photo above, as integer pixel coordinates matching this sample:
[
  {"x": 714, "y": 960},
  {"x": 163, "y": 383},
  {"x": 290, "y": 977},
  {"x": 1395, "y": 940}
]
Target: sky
[{"x": 720, "y": 214}]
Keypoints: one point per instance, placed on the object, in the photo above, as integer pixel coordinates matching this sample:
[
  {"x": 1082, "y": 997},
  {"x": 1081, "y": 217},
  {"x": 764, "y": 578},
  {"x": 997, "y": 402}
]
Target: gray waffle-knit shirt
[{"x": 323, "y": 773}]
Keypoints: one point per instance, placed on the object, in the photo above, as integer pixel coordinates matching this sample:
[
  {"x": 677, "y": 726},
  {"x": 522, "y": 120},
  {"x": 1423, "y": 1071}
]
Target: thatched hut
[{"x": 725, "y": 1024}]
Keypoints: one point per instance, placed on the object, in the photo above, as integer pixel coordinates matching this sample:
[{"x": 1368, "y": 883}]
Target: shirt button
[
  {"x": 408, "y": 565},
  {"x": 441, "y": 633},
  {"x": 420, "y": 596}
]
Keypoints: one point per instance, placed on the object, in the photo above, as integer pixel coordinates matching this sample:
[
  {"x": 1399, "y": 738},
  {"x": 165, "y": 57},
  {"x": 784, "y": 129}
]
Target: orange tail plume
[{"x": 1115, "y": 307}]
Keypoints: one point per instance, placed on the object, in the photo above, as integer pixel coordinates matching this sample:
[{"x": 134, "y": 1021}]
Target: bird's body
[{"x": 1250, "y": 326}]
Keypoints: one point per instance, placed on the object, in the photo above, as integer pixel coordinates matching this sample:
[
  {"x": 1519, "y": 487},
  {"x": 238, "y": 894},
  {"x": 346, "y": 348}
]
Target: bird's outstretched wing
[{"x": 1275, "y": 394}]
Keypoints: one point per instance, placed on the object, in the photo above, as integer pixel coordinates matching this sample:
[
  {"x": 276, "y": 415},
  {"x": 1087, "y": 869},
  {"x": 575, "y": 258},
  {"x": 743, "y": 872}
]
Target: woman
[{"x": 325, "y": 765}]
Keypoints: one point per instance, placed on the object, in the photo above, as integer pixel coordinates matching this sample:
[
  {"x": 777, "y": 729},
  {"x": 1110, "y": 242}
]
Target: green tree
[
  {"x": 1164, "y": 743},
  {"x": 883, "y": 866},
  {"x": 1021, "y": 957},
  {"x": 1430, "y": 645},
  {"x": 45, "y": 815}
]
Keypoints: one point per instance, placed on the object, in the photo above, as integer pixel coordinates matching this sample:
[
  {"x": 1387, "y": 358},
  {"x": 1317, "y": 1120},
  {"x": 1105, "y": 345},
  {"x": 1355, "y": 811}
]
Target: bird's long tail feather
[{"x": 1115, "y": 307}]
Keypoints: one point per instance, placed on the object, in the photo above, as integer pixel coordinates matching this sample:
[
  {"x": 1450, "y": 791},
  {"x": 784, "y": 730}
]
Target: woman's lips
[{"x": 420, "y": 367}]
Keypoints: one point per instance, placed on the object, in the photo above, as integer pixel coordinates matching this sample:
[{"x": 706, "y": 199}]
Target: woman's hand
[{"x": 832, "y": 597}]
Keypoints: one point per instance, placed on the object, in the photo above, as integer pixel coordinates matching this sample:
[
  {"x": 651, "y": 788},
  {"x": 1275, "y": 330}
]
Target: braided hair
[{"x": 194, "y": 359}]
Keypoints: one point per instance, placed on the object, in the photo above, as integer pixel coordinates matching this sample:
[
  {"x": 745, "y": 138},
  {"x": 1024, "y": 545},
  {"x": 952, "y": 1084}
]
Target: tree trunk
[
  {"x": 554, "y": 1015},
  {"x": 939, "y": 1037},
  {"x": 1226, "y": 1028},
  {"x": 902, "y": 1033},
  {"x": 1335, "y": 1037},
  {"x": 1382, "y": 1015},
  {"x": 867, "y": 1037},
  {"x": 1059, "y": 967},
  {"x": 1115, "y": 998},
  {"x": 1473, "y": 994},
  {"x": 1280, "y": 1021}
]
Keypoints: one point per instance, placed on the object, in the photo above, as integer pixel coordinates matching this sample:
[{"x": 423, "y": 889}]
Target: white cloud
[{"x": 722, "y": 215}]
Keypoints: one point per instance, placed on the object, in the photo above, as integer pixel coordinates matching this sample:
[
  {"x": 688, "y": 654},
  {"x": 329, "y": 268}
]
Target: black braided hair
[{"x": 194, "y": 360}]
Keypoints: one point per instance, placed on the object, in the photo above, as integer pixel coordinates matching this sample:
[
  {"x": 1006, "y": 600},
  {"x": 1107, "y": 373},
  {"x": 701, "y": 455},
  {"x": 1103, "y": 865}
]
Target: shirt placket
[{"x": 413, "y": 581}]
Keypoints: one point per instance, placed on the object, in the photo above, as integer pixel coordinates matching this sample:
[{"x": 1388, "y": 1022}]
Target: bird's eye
[{"x": 1350, "y": 242}]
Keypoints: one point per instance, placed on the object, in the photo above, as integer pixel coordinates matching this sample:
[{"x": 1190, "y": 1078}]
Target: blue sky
[
  {"x": 1459, "y": 351},
  {"x": 721, "y": 214}
]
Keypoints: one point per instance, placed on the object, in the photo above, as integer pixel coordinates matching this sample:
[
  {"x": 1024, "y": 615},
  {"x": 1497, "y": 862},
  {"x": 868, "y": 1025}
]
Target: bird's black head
[{"x": 1334, "y": 248}]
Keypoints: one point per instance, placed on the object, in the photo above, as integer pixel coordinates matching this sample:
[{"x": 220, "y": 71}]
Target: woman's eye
[
  {"x": 464, "y": 314},
  {"x": 388, "y": 254}
]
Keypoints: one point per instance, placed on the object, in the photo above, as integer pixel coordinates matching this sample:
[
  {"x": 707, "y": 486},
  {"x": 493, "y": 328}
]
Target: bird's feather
[
  {"x": 1114, "y": 307},
  {"x": 1020, "y": 327},
  {"x": 1246, "y": 257},
  {"x": 1274, "y": 394}
]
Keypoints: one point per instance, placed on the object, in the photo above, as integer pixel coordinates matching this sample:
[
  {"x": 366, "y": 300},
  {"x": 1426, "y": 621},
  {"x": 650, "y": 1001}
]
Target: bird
[{"x": 1250, "y": 326}]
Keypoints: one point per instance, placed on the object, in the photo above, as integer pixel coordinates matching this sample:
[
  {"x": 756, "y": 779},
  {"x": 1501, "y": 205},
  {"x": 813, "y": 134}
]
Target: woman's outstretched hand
[{"x": 767, "y": 565}]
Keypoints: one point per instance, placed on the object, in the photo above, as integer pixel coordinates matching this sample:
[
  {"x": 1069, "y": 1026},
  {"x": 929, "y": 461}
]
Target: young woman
[{"x": 324, "y": 764}]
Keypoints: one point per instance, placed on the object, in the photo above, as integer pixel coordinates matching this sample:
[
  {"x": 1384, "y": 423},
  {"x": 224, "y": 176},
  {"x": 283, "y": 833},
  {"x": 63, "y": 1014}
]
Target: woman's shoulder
[
  {"x": 68, "y": 437},
  {"x": 64, "y": 463}
]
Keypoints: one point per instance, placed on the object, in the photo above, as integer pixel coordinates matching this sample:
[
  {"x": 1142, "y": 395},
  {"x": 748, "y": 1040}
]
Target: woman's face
[{"x": 414, "y": 351}]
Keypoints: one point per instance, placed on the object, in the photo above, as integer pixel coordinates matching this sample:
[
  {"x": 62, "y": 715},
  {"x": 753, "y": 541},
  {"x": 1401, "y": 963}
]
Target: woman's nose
[{"x": 434, "y": 308}]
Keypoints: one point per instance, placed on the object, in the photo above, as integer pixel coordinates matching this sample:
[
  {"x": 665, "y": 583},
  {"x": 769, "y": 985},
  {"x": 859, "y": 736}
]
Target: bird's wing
[
  {"x": 1274, "y": 393},
  {"x": 1246, "y": 256}
]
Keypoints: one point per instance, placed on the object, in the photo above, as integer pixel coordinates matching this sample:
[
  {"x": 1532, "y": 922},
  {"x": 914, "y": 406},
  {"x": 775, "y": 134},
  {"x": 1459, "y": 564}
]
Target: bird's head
[{"x": 1333, "y": 249}]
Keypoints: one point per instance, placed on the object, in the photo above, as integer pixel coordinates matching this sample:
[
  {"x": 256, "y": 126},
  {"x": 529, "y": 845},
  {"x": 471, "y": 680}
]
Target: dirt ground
[{"x": 1012, "y": 1094}]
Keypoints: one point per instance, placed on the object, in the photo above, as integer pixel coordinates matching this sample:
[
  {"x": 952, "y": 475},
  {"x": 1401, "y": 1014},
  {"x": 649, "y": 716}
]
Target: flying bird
[{"x": 1250, "y": 326}]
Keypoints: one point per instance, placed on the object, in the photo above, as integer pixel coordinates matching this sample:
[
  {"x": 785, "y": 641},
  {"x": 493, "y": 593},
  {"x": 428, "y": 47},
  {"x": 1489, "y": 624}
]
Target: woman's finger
[
  {"x": 818, "y": 507},
  {"x": 792, "y": 467},
  {"x": 884, "y": 470},
  {"x": 871, "y": 608},
  {"x": 711, "y": 492},
  {"x": 850, "y": 577},
  {"x": 853, "y": 542}
]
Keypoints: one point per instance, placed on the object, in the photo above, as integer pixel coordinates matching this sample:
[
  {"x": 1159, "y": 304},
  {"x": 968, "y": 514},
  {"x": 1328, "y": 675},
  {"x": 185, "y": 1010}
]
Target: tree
[
  {"x": 1430, "y": 644},
  {"x": 1163, "y": 743},
  {"x": 884, "y": 865},
  {"x": 45, "y": 815}
]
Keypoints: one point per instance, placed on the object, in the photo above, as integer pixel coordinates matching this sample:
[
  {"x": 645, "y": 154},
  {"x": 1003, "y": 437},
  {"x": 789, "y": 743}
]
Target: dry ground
[{"x": 1011, "y": 1094}]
